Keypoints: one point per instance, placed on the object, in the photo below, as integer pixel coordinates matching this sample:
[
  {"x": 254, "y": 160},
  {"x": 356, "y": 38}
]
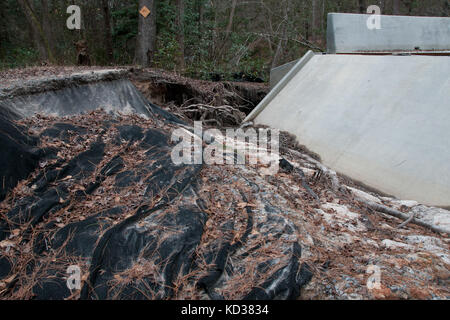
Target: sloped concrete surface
[
  {"x": 382, "y": 120},
  {"x": 276, "y": 74}
]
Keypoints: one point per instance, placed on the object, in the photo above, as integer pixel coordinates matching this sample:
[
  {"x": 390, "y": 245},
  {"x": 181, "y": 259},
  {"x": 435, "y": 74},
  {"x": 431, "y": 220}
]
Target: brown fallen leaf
[
  {"x": 382, "y": 293},
  {"x": 420, "y": 293},
  {"x": 6, "y": 243},
  {"x": 10, "y": 279},
  {"x": 245, "y": 204},
  {"x": 78, "y": 187}
]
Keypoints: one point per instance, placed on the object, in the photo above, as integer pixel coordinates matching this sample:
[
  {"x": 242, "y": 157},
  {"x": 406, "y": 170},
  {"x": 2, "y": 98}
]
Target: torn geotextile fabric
[{"x": 106, "y": 197}]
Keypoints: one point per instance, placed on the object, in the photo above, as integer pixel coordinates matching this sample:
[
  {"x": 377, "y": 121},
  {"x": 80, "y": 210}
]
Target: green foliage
[
  {"x": 167, "y": 53},
  {"x": 124, "y": 33},
  {"x": 258, "y": 27},
  {"x": 167, "y": 48},
  {"x": 14, "y": 57}
]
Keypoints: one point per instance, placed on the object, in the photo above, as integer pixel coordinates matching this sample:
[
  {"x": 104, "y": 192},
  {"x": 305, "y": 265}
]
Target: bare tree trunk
[
  {"x": 409, "y": 5},
  {"x": 269, "y": 28},
  {"x": 40, "y": 37},
  {"x": 283, "y": 38},
  {"x": 4, "y": 34},
  {"x": 315, "y": 20},
  {"x": 277, "y": 54},
  {"x": 382, "y": 5},
  {"x": 215, "y": 5},
  {"x": 180, "y": 32},
  {"x": 43, "y": 55},
  {"x": 201, "y": 13},
  {"x": 230, "y": 19},
  {"x": 229, "y": 28},
  {"x": 46, "y": 24},
  {"x": 107, "y": 31},
  {"x": 306, "y": 20},
  {"x": 146, "y": 38},
  {"x": 362, "y": 6},
  {"x": 396, "y": 7}
]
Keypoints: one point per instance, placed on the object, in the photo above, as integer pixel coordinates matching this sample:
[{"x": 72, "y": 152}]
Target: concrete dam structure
[{"x": 383, "y": 120}]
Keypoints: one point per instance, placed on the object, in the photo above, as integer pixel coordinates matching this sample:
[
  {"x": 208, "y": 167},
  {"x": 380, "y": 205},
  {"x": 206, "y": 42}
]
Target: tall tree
[
  {"x": 282, "y": 36},
  {"x": 4, "y": 36},
  {"x": 180, "y": 31},
  {"x": 228, "y": 30},
  {"x": 230, "y": 18},
  {"x": 107, "y": 31},
  {"x": 410, "y": 4},
  {"x": 201, "y": 15},
  {"x": 146, "y": 38},
  {"x": 362, "y": 6},
  {"x": 315, "y": 19},
  {"x": 40, "y": 37},
  {"x": 46, "y": 24},
  {"x": 396, "y": 7},
  {"x": 215, "y": 5}
]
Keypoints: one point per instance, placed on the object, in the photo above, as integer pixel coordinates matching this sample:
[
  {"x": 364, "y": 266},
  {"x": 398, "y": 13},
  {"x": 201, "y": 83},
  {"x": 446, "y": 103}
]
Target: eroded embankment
[
  {"x": 100, "y": 191},
  {"x": 108, "y": 198},
  {"x": 217, "y": 103}
]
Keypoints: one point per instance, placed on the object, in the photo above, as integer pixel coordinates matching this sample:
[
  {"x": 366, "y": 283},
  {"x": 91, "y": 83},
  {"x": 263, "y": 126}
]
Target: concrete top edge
[
  {"x": 384, "y": 15},
  {"x": 385, "y": 33},
  {"x": 280, "y": 85},
  {"x": 40, "y": 85}
]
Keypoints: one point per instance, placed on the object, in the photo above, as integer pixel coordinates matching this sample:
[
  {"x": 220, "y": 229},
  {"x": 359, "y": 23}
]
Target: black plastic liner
[
  {"x": 19, "y": 156},
  {"x": 154, "y": 248}
]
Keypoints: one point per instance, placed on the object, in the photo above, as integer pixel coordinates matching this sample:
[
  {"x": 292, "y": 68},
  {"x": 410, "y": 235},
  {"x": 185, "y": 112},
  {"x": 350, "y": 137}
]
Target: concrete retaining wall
[
  {"x": 347, "y": 33},
  {"x": 382, "y": 120},
  {"x": 276, "y": 74}
]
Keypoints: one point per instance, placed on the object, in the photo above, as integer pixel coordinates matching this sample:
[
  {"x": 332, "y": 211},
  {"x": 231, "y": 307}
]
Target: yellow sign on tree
[{"x": 145, "y": 11}]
